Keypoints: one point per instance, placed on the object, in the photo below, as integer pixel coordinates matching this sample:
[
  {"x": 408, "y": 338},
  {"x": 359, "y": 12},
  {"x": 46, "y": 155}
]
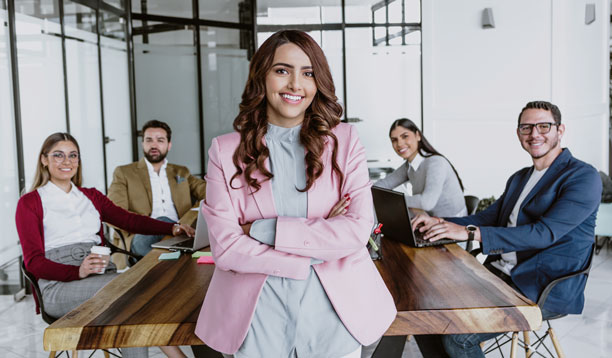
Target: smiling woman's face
[
  {"x": 62, "y": 161},
  {"x": 290, "y": 86},
  {"x": 405, "y": 142}
]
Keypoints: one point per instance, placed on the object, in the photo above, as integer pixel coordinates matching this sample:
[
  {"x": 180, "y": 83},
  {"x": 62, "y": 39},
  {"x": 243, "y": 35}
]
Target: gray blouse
[
  {"x": 435, "y": 187},
  {"x": 293, "y": 318}
]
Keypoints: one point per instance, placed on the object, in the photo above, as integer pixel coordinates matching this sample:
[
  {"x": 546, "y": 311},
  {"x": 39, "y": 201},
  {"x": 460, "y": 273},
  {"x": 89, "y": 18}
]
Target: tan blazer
[{"x": 131, "y": 188}]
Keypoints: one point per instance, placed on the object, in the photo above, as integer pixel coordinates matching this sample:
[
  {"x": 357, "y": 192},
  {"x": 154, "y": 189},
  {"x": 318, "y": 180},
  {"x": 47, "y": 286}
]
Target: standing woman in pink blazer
[{"x": 293, "y": 277}]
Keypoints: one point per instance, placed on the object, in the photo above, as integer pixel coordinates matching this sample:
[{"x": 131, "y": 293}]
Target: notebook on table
[
  {"x": 392, "y": 212},
  {"x": 185, "y": 243}
]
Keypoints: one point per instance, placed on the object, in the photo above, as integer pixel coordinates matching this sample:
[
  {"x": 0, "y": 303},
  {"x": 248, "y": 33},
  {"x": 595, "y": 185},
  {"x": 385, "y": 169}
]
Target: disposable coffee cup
[{"x": 104, "y": 252}]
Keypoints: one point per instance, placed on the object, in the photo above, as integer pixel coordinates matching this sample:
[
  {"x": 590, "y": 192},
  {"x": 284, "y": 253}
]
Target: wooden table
[
  {"x": 436, "y": 290},
  {"x": 153, "y": 303},
  {"x": 444, "y": 290}
]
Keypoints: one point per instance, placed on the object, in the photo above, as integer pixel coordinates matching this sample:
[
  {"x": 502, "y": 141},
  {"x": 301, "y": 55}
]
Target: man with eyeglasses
[
  {"x": 154, "y": 187},
  {"x": 541, "y": 228}
]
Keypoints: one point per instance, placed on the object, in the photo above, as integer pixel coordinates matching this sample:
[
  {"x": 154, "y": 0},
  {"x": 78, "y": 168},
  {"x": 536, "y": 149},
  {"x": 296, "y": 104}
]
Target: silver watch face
[{"x": 471, "y": 228}]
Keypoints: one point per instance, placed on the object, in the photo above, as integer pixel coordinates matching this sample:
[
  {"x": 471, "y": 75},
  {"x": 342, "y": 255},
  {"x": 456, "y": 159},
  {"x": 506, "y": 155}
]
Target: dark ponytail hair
[{"x": 425, "y": 148}]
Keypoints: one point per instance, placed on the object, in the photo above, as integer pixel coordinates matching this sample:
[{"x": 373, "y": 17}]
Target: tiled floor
[{"x": 586, "y": 335}]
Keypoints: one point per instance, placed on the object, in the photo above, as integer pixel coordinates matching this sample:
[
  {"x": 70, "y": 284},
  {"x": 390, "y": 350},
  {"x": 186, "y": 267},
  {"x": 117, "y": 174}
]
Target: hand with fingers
[
  {"x": 93, "y": 263},
  {"x": 246, "y": 228},
  {"x": 423, "y": 222},
  {"x": 178, "y": 229},
  {"x": 341, "y": 207},
  {"x": 437, "y": 228}
]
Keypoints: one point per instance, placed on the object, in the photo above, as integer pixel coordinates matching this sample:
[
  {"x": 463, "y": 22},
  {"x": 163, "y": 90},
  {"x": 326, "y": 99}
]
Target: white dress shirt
[
  {"x": 416, "y": 162},
  {"x": 68, "y": 218},
  {"x": 160, "y": 190}
]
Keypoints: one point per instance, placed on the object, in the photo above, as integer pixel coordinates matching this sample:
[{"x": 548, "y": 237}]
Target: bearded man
[{"x": 154, "y": 187}]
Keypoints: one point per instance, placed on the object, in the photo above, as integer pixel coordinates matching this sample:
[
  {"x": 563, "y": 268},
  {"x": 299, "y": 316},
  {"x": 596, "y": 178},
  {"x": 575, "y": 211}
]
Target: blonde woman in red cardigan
[{"x": 58, "y": 222}]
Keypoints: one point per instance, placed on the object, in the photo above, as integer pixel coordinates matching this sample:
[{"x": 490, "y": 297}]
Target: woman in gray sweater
[{"x": 436, "y": 186}]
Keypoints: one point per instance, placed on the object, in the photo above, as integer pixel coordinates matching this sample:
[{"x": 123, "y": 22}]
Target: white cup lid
[{"x": 100, "y": 250}]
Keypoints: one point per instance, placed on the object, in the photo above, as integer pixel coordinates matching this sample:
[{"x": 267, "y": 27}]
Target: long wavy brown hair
[{"x": 320, "y": 118}]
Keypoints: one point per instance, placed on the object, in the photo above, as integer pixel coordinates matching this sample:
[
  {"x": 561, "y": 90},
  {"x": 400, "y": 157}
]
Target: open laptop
[
  {"x": 185, "y": 243},
  {"x": 391, "y": 211}
]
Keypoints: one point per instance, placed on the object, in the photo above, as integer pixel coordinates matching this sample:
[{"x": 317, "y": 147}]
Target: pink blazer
[{"x": 348, "y": 275}]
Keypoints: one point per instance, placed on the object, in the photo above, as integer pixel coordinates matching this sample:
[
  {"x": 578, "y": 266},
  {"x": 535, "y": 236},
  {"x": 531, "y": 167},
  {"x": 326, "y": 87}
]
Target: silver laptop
[
  {"x": 185, "y": 243},
  {"x": 391, "y": 211}
]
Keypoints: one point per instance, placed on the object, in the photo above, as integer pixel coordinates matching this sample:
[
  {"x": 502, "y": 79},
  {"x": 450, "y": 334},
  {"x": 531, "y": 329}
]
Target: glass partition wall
[
  {"x": 41, "y": 76},
  {"x": 9, "y": 176},
  {"x": 60, "y": 79},
  {"x": 167, "y": 89},
  {"x": 83, "y": 79},
  {"x": 115, "y": 91},
  {"x": 101, "y": 69},
  {"x": 191, "y": 64},
  {"x": 50, "y": 81}
]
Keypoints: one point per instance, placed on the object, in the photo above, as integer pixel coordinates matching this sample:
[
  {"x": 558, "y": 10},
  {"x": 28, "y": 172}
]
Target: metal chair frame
[
  {"x": 506, "y": 338},
  {"x": 132, "y": 258}
]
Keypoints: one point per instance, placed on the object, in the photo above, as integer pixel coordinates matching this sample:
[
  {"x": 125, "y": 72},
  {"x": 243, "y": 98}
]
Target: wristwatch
[{"x": 471, "y": 229}]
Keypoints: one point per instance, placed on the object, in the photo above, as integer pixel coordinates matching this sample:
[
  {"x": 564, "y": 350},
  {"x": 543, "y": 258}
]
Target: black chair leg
[
  {"x": 390, "y": 347},
  {"x": 205, "y": 352}
]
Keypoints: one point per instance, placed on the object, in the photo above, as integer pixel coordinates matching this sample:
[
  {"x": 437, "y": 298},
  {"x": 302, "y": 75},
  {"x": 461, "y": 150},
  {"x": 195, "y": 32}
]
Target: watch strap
[{"x": 471, "y": 229}]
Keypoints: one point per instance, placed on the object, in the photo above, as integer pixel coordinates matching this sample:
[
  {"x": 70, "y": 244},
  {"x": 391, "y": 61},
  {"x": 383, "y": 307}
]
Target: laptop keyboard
[{"x": 420, "y": 242}]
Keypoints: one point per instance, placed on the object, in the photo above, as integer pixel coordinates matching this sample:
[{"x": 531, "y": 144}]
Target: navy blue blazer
[{"x": 555, "y": 230}]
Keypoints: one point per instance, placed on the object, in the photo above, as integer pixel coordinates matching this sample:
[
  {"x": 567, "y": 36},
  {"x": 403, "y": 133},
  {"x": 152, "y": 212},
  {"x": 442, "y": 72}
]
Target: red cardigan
[{"x": 29, "y": 218}]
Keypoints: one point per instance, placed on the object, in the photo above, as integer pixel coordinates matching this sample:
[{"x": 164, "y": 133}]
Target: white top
[
  {"x": 160, "y": 191},
  {"x": 508, "y": 259},
  {"x": 68, "y": 218}
]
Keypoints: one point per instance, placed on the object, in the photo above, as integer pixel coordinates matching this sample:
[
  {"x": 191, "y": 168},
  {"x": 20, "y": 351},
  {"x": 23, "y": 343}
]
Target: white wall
[
  {"x": 580, "y": 78},
  {"x": 383, "y": 84},
  {"x": 476, "y": 81}
]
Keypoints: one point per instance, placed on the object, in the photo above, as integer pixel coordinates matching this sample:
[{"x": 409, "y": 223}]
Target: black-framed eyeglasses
[
  {"x": 59, "y": 157},
  {"x": 542, "y": 127}
]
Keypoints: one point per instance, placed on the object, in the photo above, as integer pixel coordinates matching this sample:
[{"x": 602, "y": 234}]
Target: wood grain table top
[
  {"x": 154, "y": 303},
  {"x": 444, "y": 290}
]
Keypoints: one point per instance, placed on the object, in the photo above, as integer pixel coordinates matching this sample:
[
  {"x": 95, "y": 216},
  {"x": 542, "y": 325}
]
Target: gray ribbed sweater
[{"x": 435, "y": 187}]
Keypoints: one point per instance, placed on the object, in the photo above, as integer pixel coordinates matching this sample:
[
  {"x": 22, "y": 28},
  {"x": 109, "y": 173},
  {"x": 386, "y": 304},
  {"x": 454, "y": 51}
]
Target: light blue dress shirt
[{"x": 293, "y": 318}]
